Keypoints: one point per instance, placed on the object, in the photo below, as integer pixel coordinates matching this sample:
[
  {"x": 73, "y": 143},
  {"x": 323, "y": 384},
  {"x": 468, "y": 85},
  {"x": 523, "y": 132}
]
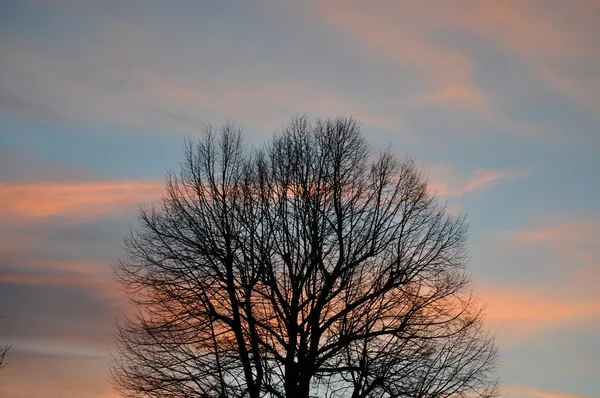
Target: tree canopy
[{"x": 311, "y": 267}]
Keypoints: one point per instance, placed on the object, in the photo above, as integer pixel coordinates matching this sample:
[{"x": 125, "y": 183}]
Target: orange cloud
[
  {"x": 74, "y": 201},
  {"x": 536, "y": 304},
  {"x": 61, "y": 377},
  {"x": 519, "y": 313},
  {"x": 518, "y": 391}
]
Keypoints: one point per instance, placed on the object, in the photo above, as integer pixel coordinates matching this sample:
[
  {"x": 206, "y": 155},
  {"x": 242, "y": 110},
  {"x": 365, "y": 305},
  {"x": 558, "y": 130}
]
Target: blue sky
[{"x": 499, "y": 101}]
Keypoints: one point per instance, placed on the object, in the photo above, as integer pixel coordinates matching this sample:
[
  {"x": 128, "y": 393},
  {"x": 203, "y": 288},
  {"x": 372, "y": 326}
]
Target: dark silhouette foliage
[{"x": 309, "y": 268}]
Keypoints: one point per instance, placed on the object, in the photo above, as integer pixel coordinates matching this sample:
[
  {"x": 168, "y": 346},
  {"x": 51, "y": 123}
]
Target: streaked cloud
[
  {"x": 447, "y": 182},
  {"x": 455, "y": 95},
  {"x": 555, "y": 41},
  {"x": 519, "y": 314},
  {"x": 49, "y": 377},
  {"x": 573, "y": 243},
  {"x": 566, "y": 256},
  {"x": 75, "y": 202},
  {"x": 393, "y": 32},
  {"x": 117, "y": 89},
  {"x": 560, "y": 234},
  {"x": 515, "y": 390}
]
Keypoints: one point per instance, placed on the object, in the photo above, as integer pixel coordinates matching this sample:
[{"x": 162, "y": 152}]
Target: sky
[{"x": 499, "y": 101}]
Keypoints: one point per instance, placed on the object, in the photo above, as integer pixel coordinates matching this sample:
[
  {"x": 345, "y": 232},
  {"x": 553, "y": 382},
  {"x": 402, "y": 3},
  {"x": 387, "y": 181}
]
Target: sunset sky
[{"x": 499, "y": 101}]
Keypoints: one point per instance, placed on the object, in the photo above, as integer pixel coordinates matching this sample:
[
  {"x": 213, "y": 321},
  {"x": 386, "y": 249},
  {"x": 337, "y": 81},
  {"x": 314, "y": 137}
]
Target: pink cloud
[
  {"x": 547, "y": 37},
  {"x": 393, "y": 30},
  {"x": 530, "y": 28}
]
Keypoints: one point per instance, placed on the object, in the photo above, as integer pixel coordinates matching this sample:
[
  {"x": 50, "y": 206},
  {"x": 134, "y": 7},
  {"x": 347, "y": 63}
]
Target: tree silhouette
[
  {"x": 308, "y": 268},
  {"x": 3, "y": 351}
]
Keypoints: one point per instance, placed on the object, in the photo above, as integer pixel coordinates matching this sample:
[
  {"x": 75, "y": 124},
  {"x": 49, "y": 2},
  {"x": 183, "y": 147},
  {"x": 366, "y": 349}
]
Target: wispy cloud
[
  {"x": 532, "y": 308},
  {"x": 104, "y": 84},
  {"x": 555, "y": 41},
  {"x": 453, "y": 95},
  {"x": 574, "y": 243},
  {"x": 393, "y": 33},
  {"x": 72, "y": 280},
  {"x": 516, "y": 390},
  {"x": 519, "y": 315},
  {"x": 447, "y": 182},
  {"x": 61, "y": 377},
  {"x": 560, "y": 234},
  {"x": 76, "y": 202},
  {"x": 567, "y": 257}
]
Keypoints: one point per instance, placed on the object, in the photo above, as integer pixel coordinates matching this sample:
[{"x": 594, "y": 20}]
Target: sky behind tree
[{"x": 498, "y": 100}]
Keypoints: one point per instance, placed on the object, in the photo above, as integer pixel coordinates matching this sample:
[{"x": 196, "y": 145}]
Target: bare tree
[
  {"x": 3, "y": 351},
  {"x": 308, "y": 268}
]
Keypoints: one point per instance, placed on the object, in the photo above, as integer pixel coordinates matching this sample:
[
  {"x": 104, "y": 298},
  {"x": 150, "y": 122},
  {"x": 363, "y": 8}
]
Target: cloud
[
  {"x": 522, "y": 314},
  {"x": 516, "y": 390},
  {"x": 455, "y": 95},
  {"x": 39, "y": 376},
  {"x": 121, "y": 72},
  {"x": 574, "y": 243},
  {"x": 20, "y": 166},
  {"x": 98, "y": 283},
  {"x": 393, "y": 33},
  {"x": 29, "y": 108},
  {"x": 445, "y": 181},
  {"x": 557, "y": 41},
  {"x": 560, "y": 234},
  {"x": 483, "y": 178},
  {"x": 582, "y": 88},
  {"x": 108, "y": 84},
  {"x": 531, "y": 29},
  {"x": 566, "y": 258},
  {"x": 536, "y": 305},
  {"x": 75, "y": 202},
  {"x": 275, "y": 100}
]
